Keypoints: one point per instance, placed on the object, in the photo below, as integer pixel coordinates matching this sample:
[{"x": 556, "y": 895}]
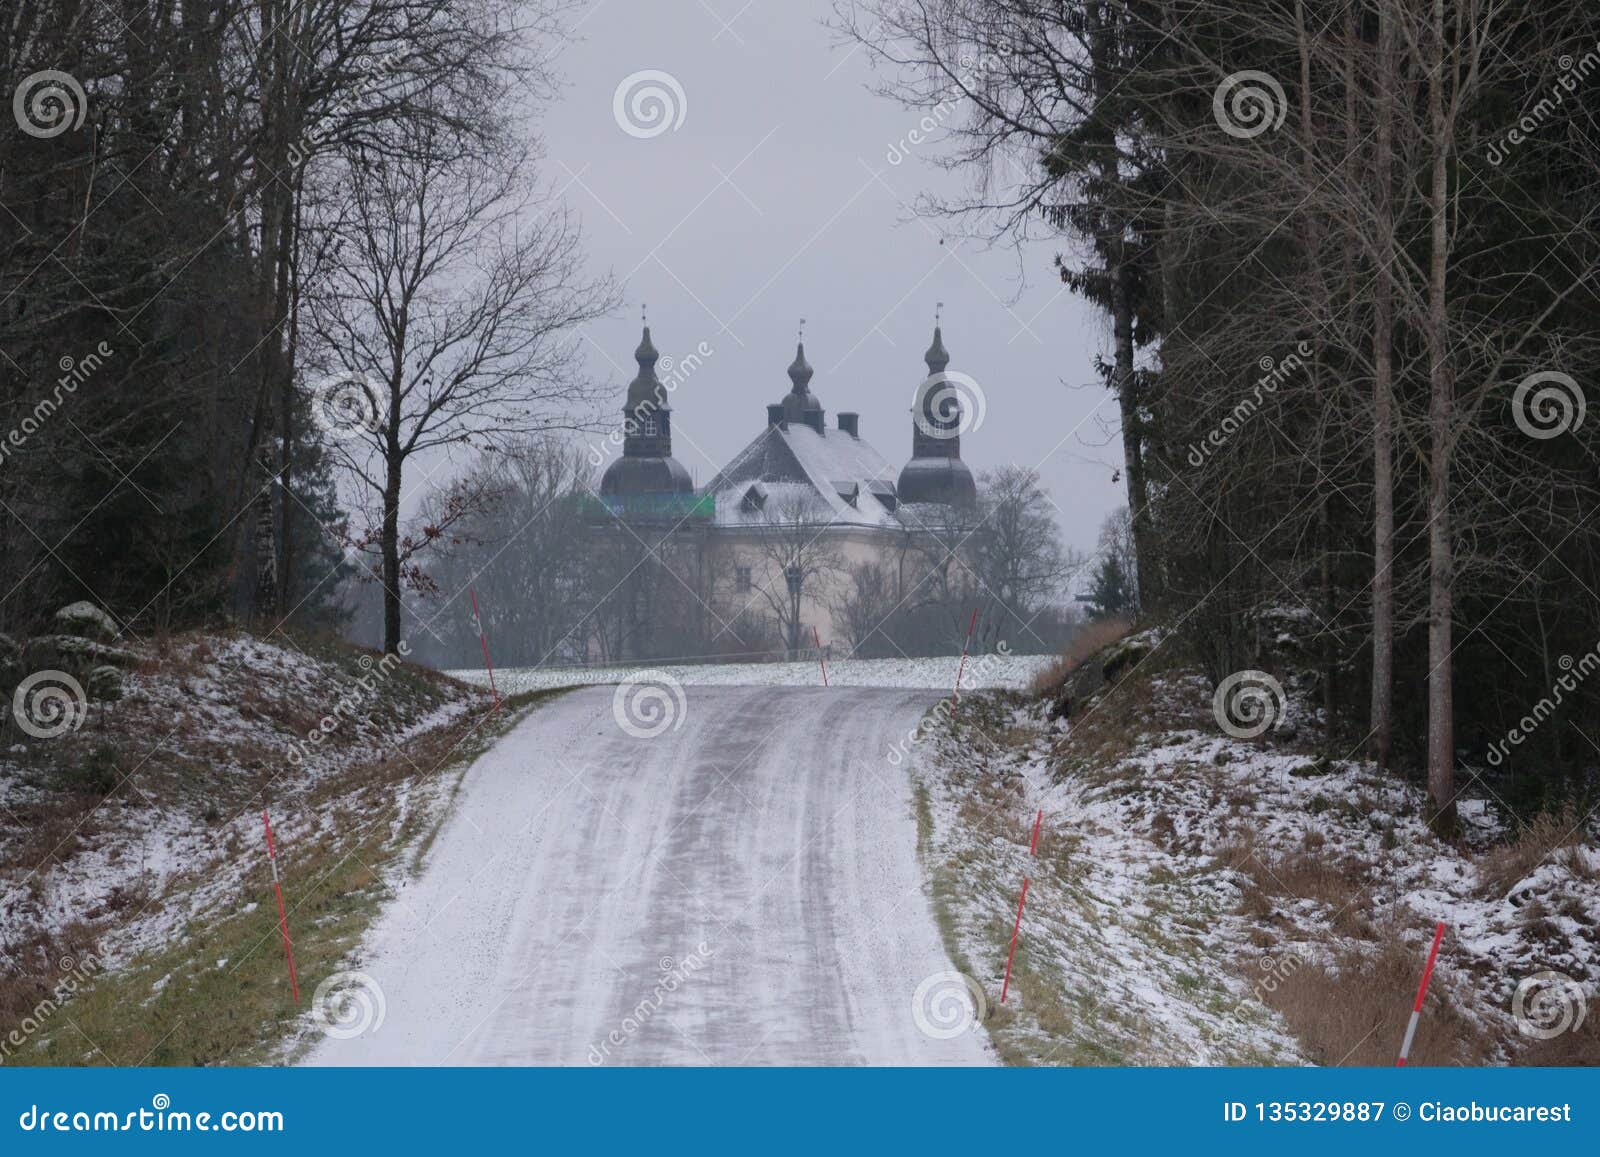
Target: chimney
[
  {"x": 848, "y": 423},
  {"x": 775, "y": 414}
]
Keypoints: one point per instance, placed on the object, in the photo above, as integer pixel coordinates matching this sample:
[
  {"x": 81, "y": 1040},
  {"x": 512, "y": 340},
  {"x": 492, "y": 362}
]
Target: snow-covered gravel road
[{"x": 742, "y": 888}]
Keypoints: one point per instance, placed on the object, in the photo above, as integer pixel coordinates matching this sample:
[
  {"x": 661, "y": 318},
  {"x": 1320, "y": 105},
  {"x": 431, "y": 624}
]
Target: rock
[
  {"x": 84, "y": 619},
  {"x": 1122, "y": 656},
  {"x": 105, "y": 683},
  {"x": 73, "y": 653}
]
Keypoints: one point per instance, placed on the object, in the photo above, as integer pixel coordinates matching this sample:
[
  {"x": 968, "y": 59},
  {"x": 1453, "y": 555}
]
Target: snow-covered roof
[{"x": 797, "y": 464}]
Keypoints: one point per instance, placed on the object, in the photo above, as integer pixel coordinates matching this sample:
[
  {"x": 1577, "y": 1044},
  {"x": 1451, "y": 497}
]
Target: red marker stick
[
  {"x": 283, "y": 918},
  {"x": 964, "y": 646},
  {"x": 820, "y": 663},
  {"x": 1422, "y": 991},
  {"x": 484, "y": 639},
  {"x": 1015, "y": 929}
]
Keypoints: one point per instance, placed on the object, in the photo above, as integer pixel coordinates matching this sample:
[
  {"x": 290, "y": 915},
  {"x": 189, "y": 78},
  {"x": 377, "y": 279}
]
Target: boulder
[
  {"x": 105, "y": 683},
  {"x": 1122, "y": 656},
  {"x": 73, "y": 653},
  {"x": 86, "y": 620}
]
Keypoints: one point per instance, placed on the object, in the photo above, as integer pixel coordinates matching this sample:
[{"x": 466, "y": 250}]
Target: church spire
[
  {"x": 646, "y": 354},
  {"x": 935, "y": 472},
  {"x": 936, "y": 357},
  {"x": 646, "y": 471},
  {"x": 800, "y": 372}
]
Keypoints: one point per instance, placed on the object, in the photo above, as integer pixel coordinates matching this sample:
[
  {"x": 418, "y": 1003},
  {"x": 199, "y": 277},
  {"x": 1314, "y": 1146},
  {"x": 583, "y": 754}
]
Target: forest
[{"x": 260, "y": 259}]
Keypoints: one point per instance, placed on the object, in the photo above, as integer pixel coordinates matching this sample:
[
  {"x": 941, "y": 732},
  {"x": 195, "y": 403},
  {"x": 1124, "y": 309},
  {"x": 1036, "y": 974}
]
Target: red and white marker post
[
  {"x": 477, "y": 621},
  {"x": 283, "y": 918},
  {"x": 964, "y": 647},
  {"x": 1422, "y": 991},
  {"x": 820, "y": 663},
  {"x": 1016, "y": 929}
]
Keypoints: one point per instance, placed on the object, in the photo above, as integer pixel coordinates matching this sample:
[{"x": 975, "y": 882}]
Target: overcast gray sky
[{"x": 772, "y": 198}]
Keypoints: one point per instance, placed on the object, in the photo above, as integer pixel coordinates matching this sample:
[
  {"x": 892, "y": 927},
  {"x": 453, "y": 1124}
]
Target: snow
[
  {"x": 1156, "y": 896},
  {"x": 825, "y": 460},
  {"x": 583, "y": 865},
  {"x": 982, "y": 671},
  {"x": 197, "y": 723}
]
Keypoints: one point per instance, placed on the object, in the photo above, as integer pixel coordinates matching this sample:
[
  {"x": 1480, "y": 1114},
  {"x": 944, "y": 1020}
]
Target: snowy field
[{"x": 982, "y": 672}]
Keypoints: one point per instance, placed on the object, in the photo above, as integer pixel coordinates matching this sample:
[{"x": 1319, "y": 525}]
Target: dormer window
[{"x": 754, "y": 498}]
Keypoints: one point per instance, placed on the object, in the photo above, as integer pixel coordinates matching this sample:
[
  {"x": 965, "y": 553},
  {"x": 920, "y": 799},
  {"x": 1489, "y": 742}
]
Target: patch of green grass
[{"x": 224, "y": 995}]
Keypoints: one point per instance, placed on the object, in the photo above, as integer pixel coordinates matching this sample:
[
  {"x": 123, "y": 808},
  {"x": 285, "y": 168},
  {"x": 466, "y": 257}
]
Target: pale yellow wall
[
  {"x": 734, "y": 548},
  {"x": 731, "y": 548}
]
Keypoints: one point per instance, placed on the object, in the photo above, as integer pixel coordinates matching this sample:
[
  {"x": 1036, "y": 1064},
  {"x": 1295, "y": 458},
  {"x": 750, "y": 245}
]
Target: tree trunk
[
  {"x": 1132, "y": 441},
  {"x": 391, "y": 554},
  {"x": 1441, "y": 557},
  {"x": 1321, "y": 300},
  {"x": 1382, "y": 734},
  {"x": 1113, "y": 249}
]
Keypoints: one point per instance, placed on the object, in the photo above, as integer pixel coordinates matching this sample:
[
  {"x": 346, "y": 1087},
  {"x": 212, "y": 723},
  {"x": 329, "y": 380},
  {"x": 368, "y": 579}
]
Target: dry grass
[
  {"x": 1502, "y": 868},
  {"x": 1093, "y": 638},
  {"x": 204, "y": 1013},
  {"x": 1580, "y": 1047},
  {"x": 1355, "y": 1013}
]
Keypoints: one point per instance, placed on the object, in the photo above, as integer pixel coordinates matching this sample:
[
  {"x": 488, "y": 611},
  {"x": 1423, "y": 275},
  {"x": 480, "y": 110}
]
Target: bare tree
[
  {"x": 800, "y": 558},
  {"x": 1015, "y": 555},
  {"x": 447, "y": 317},
  {"x": 525, "y": 555}
]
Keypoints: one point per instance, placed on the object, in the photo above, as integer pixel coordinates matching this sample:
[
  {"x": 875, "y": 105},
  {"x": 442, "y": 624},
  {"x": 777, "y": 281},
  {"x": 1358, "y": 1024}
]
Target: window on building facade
[{"x": 741, "y": 578}]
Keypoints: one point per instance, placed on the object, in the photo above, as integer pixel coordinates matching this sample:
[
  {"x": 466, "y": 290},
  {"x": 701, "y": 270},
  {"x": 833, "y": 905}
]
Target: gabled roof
[{"x": 799, "y": 462}]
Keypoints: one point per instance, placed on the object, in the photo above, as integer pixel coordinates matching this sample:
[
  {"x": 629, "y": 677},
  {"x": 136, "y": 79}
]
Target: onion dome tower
[
  {"x": 647, "y": 465},
  {"x": 936, "y": 472},
  {"x": 800, "y": 405}
]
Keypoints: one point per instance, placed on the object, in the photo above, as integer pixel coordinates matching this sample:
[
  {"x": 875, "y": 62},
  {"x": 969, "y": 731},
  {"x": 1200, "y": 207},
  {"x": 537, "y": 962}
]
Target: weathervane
[
  {"x": 644, "y": 313},
  {"x": 938, "y": 307},
  {"x": 802, "y": 331}
]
